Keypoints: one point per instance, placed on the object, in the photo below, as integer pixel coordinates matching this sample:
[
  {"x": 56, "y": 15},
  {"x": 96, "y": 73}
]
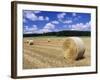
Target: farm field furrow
[
  {"x": 44, "y": 54},
  {"x": 47, "y": 57}
]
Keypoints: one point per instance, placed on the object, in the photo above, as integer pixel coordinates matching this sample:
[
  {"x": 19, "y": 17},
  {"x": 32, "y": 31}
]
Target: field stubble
[{"x": 47, "y": 53}]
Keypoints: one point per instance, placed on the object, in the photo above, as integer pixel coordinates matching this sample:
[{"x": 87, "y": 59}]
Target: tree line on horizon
[{"x": 60, "y": 33}]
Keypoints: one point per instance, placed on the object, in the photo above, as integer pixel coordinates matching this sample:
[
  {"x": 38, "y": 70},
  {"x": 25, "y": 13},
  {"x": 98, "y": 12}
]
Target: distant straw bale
[
  {"x": 48, "y": 40},
  {"x": 30, "y": 42},
  {"x": 27, "y": 41}
]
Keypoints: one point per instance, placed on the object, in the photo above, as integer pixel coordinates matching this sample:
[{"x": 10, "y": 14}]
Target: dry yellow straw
[{"x": 73, "y": 48}]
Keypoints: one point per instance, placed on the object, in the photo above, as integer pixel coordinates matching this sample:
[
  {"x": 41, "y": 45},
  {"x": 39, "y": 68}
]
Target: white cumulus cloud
[
  {"x": 34, "y": 17},
  {"x": 47, "y": 18},
  {"x": 67, "y": 21},
  {"x": 31, "y": 16},
  {"x": 62, "y": 18},
  {"x": 81, "y": 26},
  {"x": 24, "y": 20},
  {"x": 61, "y": 15},
  {"x": 55, "y": 22},
  {"x": 74, "y": 14},
  {"x": 32, "y": 29},
  {"x": 49, "y": 27},
  {"x": 37, "y": 11},
  {"x": 41, "y": 18}
]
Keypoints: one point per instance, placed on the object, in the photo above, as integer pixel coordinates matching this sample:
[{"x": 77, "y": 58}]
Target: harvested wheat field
[{"x": 47, "y": 52}]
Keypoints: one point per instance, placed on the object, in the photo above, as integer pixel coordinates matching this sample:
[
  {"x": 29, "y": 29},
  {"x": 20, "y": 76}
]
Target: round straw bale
[
  {"x": 73, "y": 48},
  {"x": 27, "y": 41},
  {"x": 30, "y": 42},
  {"x": 48, "y": 40}
]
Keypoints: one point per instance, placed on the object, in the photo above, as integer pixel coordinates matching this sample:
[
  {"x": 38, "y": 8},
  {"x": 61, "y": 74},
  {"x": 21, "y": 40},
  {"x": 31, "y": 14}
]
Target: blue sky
[{"x": 49, "y": 21}]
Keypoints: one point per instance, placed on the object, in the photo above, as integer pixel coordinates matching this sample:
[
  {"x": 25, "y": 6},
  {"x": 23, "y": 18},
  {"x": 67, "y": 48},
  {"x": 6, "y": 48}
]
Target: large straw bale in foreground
[{"x": 73, "y": 48}]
